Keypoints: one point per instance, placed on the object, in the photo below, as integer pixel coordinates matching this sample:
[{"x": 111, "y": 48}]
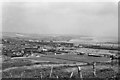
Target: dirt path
[{"x": 42, "y": 66}]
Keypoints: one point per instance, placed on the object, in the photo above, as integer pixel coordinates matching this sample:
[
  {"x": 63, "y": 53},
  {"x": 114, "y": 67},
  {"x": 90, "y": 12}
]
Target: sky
[{"x": 78, "y": 18}]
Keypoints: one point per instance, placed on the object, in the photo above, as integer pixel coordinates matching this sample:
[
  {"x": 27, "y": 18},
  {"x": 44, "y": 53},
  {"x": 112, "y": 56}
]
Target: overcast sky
[{"x": 81, "y": 18}]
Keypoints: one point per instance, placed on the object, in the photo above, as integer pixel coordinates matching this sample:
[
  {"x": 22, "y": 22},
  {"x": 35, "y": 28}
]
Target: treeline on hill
[{"x": 101, "y": 47}]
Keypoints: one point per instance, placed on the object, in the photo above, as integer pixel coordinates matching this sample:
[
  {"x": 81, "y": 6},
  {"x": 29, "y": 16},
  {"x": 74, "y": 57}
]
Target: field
[
  {"x": 70, "y": 58},
  {"x": 63, "y": 66}
]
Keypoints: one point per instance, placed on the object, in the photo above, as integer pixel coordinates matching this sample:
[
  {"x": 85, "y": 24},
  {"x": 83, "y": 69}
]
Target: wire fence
[{"x": 57, "y": 73}]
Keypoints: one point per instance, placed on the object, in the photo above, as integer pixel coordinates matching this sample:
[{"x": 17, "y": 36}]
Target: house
[
  {"x": 80, "y": 53},
  {"x": 94, "y": 55},
  {"x": 31, "y": 50}
]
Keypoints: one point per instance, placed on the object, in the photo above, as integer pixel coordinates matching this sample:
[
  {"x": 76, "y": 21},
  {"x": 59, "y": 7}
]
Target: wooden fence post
[
  {"x": 94, "y": 69},
  {"x": 35, "y": 73},
  {"x": 71, "y": 75},
  {"x": 111, "y": 59},
  {"x": 80, "y": 73},
  {"x": 51, "y": 71},
  {"x": 11, "y": 75},
  {"x": 41, "y": 75},
  {"x": 22, "y": 74},
  {"x": 57, "y": 77}
]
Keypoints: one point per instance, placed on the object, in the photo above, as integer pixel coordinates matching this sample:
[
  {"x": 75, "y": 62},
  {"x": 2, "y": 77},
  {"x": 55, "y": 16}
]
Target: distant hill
[
  {"x": 37, "y": 36},
  {"x": 58, "y": 37}
]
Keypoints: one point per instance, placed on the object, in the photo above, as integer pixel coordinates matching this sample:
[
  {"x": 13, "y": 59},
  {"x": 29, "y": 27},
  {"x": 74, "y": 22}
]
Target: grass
[
  {"x": 15, "y": 63},
  {"x": 21, "y": 63},
  {"x": 70, "y": 58},
  {"x": 35, "y": 72},
  {"x": 57, "y": 71}
]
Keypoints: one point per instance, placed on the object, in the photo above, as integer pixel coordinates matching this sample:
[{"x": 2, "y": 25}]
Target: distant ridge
[{"x": 59, "y": 37}]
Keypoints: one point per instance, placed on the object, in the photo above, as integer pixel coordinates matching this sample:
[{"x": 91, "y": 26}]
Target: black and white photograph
[{"x": 59, "y": 39}]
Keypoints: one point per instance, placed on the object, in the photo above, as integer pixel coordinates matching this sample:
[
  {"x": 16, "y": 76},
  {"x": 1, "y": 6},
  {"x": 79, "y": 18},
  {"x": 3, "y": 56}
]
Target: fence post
[
  {"x": 111, "y": 59},
  {"x": 51, "y": 71},
  {"x": 80, "y": 73},
  {"x": 35, "y": 72},
  {"x": 71, "y": 75},
  {"x": 94, "y": 69},
  {"x": 22, "y": 74},
  {"x": 57, "y": 77},
  {"x": 41, "y": 75},
  {"x": 11, "y": 75}
]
